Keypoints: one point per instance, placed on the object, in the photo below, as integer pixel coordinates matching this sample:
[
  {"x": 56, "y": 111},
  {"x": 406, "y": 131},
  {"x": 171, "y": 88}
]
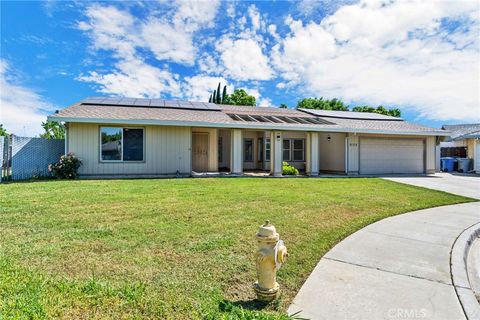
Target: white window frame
[
  {"x": 292, "y": 145},
  {"x": 121, "y": 153},
  {"x": 267, "y": 147},
  {"x": 289, "y": 150}
]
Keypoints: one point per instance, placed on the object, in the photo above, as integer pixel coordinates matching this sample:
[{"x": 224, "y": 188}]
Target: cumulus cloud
[
  {"x": 393, "y": 53},
  {"x": 244, "y": 60},
  {"x": 168, "y": 38},
  {"x": 134, "y": 78},
  {"x": 199, "y": 87},
  {"x": 22, "y": 110}
]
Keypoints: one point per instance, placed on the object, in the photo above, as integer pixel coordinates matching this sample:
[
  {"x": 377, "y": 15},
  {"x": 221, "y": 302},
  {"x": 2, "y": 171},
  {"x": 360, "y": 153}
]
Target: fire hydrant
[{"x": 270, "y": 256}]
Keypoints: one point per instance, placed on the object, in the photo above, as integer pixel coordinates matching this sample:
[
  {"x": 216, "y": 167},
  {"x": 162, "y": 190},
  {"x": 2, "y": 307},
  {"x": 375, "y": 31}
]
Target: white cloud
[
  {"x": 168, "y": 42},
  {"x": 169, "y": 38},
  {"x": 199, "y": 87},
  {"x": 134, "y": 78},
  {"x": 381, "y": 52},
  {"x": 244, "y": 60},
  {"x": 21, "y": 109}
]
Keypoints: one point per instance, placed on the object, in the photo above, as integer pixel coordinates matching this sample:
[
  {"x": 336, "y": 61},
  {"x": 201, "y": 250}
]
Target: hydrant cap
[{"x": 267, "y": 231}]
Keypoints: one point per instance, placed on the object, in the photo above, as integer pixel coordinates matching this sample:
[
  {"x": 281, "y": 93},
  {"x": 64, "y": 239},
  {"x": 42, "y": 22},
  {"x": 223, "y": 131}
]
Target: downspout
[
  {"x": 346, "y": 155},
  {"x": 66, "y": 137}
]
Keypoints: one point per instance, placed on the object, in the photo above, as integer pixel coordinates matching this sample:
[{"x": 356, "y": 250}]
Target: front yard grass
[{"x": 174, "y": 248}]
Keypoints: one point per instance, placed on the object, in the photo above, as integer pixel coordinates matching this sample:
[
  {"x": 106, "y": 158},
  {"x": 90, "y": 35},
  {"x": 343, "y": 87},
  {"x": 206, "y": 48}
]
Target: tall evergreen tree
[
  {"x": 224, "y": 94},
  {"x": 210, "y": 99},
  {"x": 219, "y": 97},
  {"x": 214, "y": 98}
]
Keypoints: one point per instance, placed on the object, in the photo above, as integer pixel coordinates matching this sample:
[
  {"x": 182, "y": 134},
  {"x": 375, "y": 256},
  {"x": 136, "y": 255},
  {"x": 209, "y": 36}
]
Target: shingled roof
[
  {"x": 463, "y": 131},
  {"x": 199, "y": 114}
]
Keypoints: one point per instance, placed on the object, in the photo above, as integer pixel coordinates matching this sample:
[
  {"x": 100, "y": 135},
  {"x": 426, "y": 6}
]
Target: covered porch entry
[{"x": 239, "y": 151}]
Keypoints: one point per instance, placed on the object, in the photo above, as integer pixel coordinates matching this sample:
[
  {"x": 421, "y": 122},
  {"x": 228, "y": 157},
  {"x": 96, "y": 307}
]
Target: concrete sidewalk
[{"x": 397, "y": 268}]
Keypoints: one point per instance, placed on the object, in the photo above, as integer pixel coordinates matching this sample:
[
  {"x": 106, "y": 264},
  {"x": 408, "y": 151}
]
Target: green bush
[
  {"x": 289, "y": 170},
  {"x": 66, "y": 167}
]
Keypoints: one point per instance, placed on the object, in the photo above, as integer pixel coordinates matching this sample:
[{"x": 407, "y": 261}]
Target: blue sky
[{"x": 422, "y": 57}]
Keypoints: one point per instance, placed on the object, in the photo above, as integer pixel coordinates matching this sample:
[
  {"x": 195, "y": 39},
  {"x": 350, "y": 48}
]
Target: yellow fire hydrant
[{"x": 270, "y": 256}]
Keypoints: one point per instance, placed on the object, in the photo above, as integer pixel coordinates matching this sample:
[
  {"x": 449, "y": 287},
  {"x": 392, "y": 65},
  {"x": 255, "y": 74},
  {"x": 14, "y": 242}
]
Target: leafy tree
[
  {"x": 219, "y": 97},
  {"x": 322, "y": 104},
  {"x": 238, "y": 97},
  {"x": 3, "y": 131},
  {"x": 241, "y": 98},
  {"x": 395, "y": 112},
  {"x": 283, "y": 106},
  {"x": 53, "y": 130},
  {"x": 224, "y": 94}
]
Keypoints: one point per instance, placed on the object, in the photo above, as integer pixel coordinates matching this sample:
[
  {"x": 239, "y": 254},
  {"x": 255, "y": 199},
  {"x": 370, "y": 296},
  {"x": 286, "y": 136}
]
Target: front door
[{"x": 200, "y": 152}]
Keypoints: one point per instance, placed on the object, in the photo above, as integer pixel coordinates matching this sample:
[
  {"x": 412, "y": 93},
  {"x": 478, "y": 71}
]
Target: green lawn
[{"x": 174, "y": 248}]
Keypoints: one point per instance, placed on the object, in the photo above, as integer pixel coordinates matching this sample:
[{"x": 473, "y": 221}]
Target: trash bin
[
  {"x": 447, "y": 164},
  {"x": 464, "y": 164}
]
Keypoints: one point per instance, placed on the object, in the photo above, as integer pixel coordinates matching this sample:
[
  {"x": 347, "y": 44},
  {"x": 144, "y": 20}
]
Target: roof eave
[{"x": 258, "y": 126}]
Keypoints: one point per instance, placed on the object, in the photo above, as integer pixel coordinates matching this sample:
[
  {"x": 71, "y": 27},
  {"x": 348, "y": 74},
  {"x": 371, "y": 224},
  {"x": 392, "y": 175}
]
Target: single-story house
[
  {"x": 151, "y": 137},
  {"x": 463, "y": 142}
]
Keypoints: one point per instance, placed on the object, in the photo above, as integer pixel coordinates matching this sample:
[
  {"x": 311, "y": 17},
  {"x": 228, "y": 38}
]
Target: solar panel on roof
[
  {"x": 142, "y": 102},
  {"x": 157, "y": 103}
]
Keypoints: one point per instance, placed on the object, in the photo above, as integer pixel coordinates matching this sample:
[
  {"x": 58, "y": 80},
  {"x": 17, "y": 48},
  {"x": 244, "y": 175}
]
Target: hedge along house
[{"x": 153, "y": 137}]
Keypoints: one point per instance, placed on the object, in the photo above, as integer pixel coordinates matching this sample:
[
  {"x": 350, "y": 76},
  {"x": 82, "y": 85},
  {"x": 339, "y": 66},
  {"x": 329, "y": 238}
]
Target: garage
[{"x": 390, "y": 156}]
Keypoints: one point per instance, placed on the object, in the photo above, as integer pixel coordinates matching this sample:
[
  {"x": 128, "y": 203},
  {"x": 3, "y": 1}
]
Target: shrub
[
  {"x": 66, "y": 167},
  {"x": 288, "y": 169}
]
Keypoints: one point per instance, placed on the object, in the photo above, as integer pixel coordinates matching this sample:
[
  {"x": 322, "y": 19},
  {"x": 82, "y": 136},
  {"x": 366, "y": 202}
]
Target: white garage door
[{"x": 385, "y": 156}]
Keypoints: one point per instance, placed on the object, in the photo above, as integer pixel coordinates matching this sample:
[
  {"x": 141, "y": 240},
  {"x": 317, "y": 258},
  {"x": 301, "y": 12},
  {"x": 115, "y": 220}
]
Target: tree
[
  {"x": 283, "y": 106},
  {"x": 322, "y": 104},
  {"x": 53, "y": 130},
  {"x": 395, "y": 112},
  {"x": 3, "y": 131},
  {"x": 224, "y": 94},
  {"x": 241, "y": 98},
  {"x": 238, "y": 97},
  {"x": 219, "y": 97},
  {"x": 210, "y": 99}
]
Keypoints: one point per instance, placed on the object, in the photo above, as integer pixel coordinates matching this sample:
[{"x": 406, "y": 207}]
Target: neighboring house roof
[
  {"x": 201, "y": 114},
  {"x": 463, "y": 131}
]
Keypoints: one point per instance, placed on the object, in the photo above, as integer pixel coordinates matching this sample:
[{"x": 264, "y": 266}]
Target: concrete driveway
[
  {"x": 463, "y": 185},
  {"x": 397, "y": 268}
]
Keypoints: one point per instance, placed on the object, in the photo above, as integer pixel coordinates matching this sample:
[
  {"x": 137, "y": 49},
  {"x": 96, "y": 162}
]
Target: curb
[{"x": 458, "y": 271}]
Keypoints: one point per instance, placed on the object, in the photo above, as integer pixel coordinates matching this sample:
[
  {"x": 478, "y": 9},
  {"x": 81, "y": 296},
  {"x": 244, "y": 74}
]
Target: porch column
[
  {"x": 236, "y": 163},
  {"x": 276, "y": 153},
  {"x": 312, "y": 154}
]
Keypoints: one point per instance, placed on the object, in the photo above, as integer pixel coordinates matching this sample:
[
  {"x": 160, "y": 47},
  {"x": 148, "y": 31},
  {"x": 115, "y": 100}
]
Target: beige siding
[
  {"x": 352, "y": 153},
  {"x": 225, "y": 136},
  {"x": 332, "y": 152},
  {"x": 470, "y": 148},
  {"x": 430, "y": 144},
  {"x": 212, "y": 147},
  {"x": 167, "y": 150}
]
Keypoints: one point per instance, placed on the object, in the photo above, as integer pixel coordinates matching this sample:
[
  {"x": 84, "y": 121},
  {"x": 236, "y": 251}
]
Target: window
[
  {"x": 298, "y": 149},
  {"x": 121, "y": 144},
  {"x": 260, "y": 149},
  {"x": 267, "y": 149},
  {"x": 248, "y": 150},
  {"x": 286, "y": 150},
  {"x": 220, "y": 149}
]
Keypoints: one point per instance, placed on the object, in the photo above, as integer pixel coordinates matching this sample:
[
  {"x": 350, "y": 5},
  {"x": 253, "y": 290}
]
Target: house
[
  {"x": 151, "y": 137},
  {"x": 463, "y": 142}
]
